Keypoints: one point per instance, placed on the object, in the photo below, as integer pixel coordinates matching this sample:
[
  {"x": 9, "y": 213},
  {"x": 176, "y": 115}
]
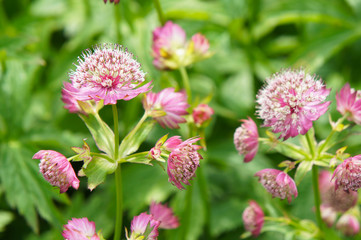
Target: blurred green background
[{"x": 251, "y": 39}]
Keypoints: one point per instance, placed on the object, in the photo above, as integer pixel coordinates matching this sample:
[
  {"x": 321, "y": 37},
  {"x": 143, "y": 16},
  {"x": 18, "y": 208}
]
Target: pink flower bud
[
  {"x": 202, "y": 113},
  {"x": 253, "y": 218},
  {"x": 246, "y": 139},
  {"x": 200, "y": 45},
  {"x": 144, "y": 227},
  {"x": 348, "y": 224},
  {"x": 348, "y": 174},
  {"x": 349, "y": 102},
  {"x": 57, "y": 170},
  {"x": 80, "y": 229},
  {"x": 328, "y": 215},
  {"x": 278, "y": 183},
  {"x": 290, "y": 101},
  {"x": 164, "y": 215}
]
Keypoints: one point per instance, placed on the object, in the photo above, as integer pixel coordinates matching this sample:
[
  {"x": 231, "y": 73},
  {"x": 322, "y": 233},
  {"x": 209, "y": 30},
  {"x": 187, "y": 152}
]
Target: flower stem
[
  {"x": 117, "y": 19},
  {"x": 187, "y": 212},
  {"x": 119, "y": 203},
  {"x": 310, "y": 144},
  {"x": 316, "y": 193},
  {"x": 136, "y": 128},
  {"x": 205, "y": 199},
  {"x": 116, "y": 131},
  {"x": 329, "y": 137},
  {"x": 159, "y": 12},
  {"x": 186, "y": 84}
]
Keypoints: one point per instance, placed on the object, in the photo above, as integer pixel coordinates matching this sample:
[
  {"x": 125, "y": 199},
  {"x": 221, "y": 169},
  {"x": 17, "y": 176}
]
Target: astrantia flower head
[
  {"x": 144, "y": 227},
  {"x": 347, "y": 175},
  {"x": 80, "y": 229},
  {"x": 183, "y": 162},
  {"x": 291, "y": 101},
  {"x": 164, "y": 145},
  {"x": 109, "y": 73},
  {"x": 201, "y": 114},
  {"x": 253, "y": 218},
  {"x": 164, "y": 215},
  {"x": 348, "y": 225},
  {"x": 57, "y": 170},
  {"x": 246, "y": 139},
  {"x": 278, "y": 183},
  {"x": 167, "y": 107},
  {"x": 349, "y": 102},
  {"x": 200, "y": 47}
]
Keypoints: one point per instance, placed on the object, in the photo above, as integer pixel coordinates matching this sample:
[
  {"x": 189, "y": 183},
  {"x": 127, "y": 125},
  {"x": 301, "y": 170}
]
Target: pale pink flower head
[
  {"x": 80, "y": 229},
  {"x": 164, "y": 215},
  {"x": 107, "y": 73},
  {"x": 167, "y": 107},
  {"x": 57, "y": 170},
  {"x": 70, "y": 102},
  {"x": 338, "y": 199},
  {"x": 200, "y": 46},
  {"x": 112, "y": 1},
  {"x": 183, "y": 162},
  {"x": 290, "y": 101},
  {"x": 347, "y": 175},
  {"x": 278, "y": 183},
  {"x": 144, "y": 227},
  {"x": 349, "y": 102},
  {"x": 202, "y": 113},
  {"x": 246, "y": 139},
  {"x": 328, "y": 215},
  {"x": 253, "y": 218},
  {"x": 348, "y": 225}
]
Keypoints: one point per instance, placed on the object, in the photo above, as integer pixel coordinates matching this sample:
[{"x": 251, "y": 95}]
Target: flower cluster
[
  {"x": 80, "y": 229},
  {"x": 246, "y": 139},
  {"x": 349, "y": 102},
  {"x": 348, "y": 174},
  {"x": 253, "y": 218}
]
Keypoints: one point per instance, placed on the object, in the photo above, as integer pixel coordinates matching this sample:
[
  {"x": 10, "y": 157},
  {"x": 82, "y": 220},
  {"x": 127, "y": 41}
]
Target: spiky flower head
[
  {"x": 164, "y": 215},
  {"x": 349, "y": 102},
  {"x": 347, "y": 175},
  {"x": 57, "y": 170},
  {"x": 246, "y": 139},
  {"x": 183, "y": 162},
  {"x": 167, "y": 107},
  {"x": 143, "y": 227},
  {"x": 290, "y": 101},
  {"x": 202, "y": 114},
  {"x": 277, "y": 183},
  {"x": 112, "y": 1},
  {"x": 253, "y": 218},
  {"x": 80, "y": 229},
  {"x": 107, "y": 73},
  {"x": 348, "y": 224}
]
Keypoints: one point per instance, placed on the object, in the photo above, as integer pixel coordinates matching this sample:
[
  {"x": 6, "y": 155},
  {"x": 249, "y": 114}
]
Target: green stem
[
  {"x": 329, "y": 137},
  {"x": 116, "y": 131},
  {"x": 159, "y": 12},
  {"x": 186, "y": 84},
  {"x": 310, "y": 144},
  {"x": 187, "y": 212},
  {"x": 316, "y": 193},
  {"x": 139, "y": 124},
  {"x": 117, "y": 19},
  {"x": 119, "y": 203},
  {"x": 102, "y": 156},
  {"x": 205, "y": 199}
]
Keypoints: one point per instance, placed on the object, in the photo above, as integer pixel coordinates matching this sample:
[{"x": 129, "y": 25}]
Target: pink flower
[
  {"x": 80, "y": 229},
  {"x": 202, "y": 113},
  {"x": 253, "y": 218},
  {"x": 70, "y": 102},
  {"x": 164, "y": 215},
  {"x": 246, "y": 139},
  {"x": 163, "y": 145},
  {"x": 278, "y": 183},
  {"x": 337, "y": 199},
  {"x": 109, "y": 73},
  {"x": 111, "y": 1},
  {"x": 167, "y": 107},
  {"x": 349, "y": 102},
  {"x": 200, "y": 46},
  {"x": 348, "y": 224},
  {"x": 183, "y": 162},
  {"x": 144, "y": 227},
  {"x": 347, "y": 175},
  {"x": 57, "y": 170},
  {"x": 291, "y": 101}
]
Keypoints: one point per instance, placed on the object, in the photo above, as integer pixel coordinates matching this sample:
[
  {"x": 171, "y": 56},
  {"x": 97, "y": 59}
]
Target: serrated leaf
[
  {"x": 97, "y": 170},
  {"x": 139, "y": 158},
  {"x": 302, "y": 169},
  {"x": 290, "y": 150},
  {"x": 101, "y": 132},
  {"x": 131, "y": 143}
]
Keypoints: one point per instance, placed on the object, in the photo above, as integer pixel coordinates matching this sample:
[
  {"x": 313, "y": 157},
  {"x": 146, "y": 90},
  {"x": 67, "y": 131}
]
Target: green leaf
[
  {"x": 5, "y": 219},
  {"x": 139, "y": 158},
  {"x": 302, "y": 169},
  {"x": 288, "y": 149},
  {"x": 101, "y": 132},
  {"x": 131, "y": 143},
  {"x": 97, "y": 170}
]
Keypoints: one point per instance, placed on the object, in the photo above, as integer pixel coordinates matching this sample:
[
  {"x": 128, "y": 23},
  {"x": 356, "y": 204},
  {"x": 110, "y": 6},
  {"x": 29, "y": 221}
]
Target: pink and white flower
[
  {"x": 200, "y": 46},
  {"x": 164, "y": 215},
  {"x": 183, "y": 162},
  {"x": 348, "y": 224},
  {"x": 347, "y": 175},
  {"x": 253, "y": 218},
  {"x": 144, "y": 227},
  {"x": 164, "y": 145},
  {"x": 109, "y": 72},
  {"x": 202, "y": 113},
  {"x": 246, "y": 139},
  {"x": 278, "y": 183},
  {"x": 80, "y": 229},
  {"x": 167, "y": 107},
  {"x": 290, "y": 101},
  {"x": 57, "y": 170},
  {"x": 349, "y": 102}
]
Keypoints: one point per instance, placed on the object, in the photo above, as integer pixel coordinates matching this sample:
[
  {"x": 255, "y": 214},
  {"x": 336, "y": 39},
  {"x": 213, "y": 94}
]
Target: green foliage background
[{"x": 251, "y": 39}]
